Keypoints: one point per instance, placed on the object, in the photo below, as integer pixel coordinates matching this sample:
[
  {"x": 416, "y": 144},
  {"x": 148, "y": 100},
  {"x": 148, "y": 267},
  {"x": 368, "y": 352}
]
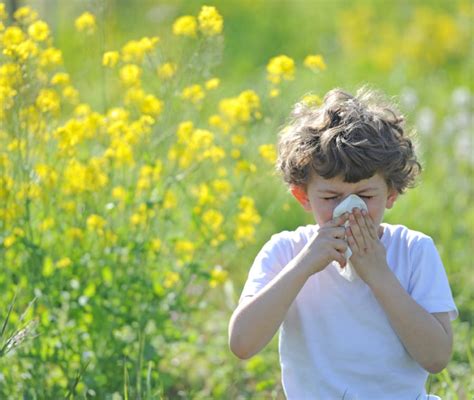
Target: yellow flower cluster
[
  {"x": 135, "y": 50},
  {"x": 315, "y": 62},
  {"x": 268, "y": 152},
  {"x": 185, "y": 26},
  {"x": 167, "y": 70},
  {"x": 80, "y": 178},
  {"x": 184, "y": 250},
  {"x": 218, "y": 276},
  {"x": 194, "y": 145},
  {"x": 209, "y": 22},
  {"x": 86, "y": 23},
  {"x": 280, "y": 68},
  {"x": 247, "y": 218},
  {"x": 240, "y": 109}
]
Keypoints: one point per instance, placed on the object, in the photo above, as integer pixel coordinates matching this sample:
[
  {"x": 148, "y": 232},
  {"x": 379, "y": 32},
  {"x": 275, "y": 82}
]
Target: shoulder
[
  {"x": 288, "y": 243},
  {"x": 294, "y": 238},
  {"x": 400, "y": 234}
]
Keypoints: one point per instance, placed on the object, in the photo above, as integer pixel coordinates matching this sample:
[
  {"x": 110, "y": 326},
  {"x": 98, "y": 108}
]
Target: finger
[
  {"x": 356, "y": 233},
  {"x": 338, "y": 221},
  {"x": 370, "y": 225},
  {"x": 340, "y": 245},
  {"x": 338, "y": 232},
  {"x": 340, "y": 258},
  {"x": 351, "y": 241},
  {"x": 362, "y": 226}
]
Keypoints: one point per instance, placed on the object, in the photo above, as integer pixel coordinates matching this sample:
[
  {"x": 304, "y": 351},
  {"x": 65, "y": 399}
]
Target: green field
[{"x": 137, "y": 178}]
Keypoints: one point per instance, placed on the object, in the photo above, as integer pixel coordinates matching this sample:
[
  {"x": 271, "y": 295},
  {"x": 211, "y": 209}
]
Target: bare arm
[
  {"x": 257, "y": 318},
  {"x": 427, "y": 337}
]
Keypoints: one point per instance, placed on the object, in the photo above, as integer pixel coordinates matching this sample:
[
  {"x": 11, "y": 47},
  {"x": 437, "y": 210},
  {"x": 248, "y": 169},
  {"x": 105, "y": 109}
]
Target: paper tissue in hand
[{"x": 347, "y": 205}]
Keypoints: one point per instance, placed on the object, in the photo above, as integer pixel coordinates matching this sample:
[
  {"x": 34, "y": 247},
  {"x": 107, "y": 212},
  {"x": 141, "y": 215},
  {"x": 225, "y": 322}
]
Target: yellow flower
[
  {"x": 156, "y": 244},
  {"x": 151, "y": 105},
  {"x": 74, "y": 233},
  {"x": 39, "y": 31},
  {"x": 110, "y": 58},
  {"x": 60, "y": 78},
  {"x": 47, "y": 175},
  {"x": 10, "y": 74},
  {"x": 246, "y": 220},
  {"x": 218, "y": 276},
  {"x": 3, "y": 13},
  {"x": 184, "y": 131},
  {"x": 25, "y": 15},
  {"x": 238, "y": 140},
  {"x": 119, "y": 193},
  {"x": 235, "y": 154},
  {"x": 268, "y": 152},
  {"x": 201, "y": 138},
  {"x": 46, "y": 224},
  {"x": 50, "y": 57},
  {"x": 194, "y": 93},
  {"x": 223, "y": 187},
  {"x": 48, "y": 100},
  {"x": 280, "y": 67},
  {"x": 212, "y": 83},
  {"x": 134, "y": 50},
  {"x": 184, "y": 249},
  {"x": 9, "y": 241},
  {"x": 12, "y": 36},
  {"x": 171, "y": 278},
  {"x": 71, "y": 94},
  {"x": 203, "y": 194},
  {"x": 215, "y": 153},
  {"x": 185, "y": 26},
  {"x": 170, "y": 201},
  {"x": 274, "y": 92},
  {"x": 240, "y": 109},
  {"x": 315, "y": 62},
  {"x": 245, "y": 166},
  {"x": 212, "y": 219},
  {"x": 64, "y": 262},
  {"x": 218, "y": 122},
  {"x": 210, "y": 21},
  {"x": 312, "y": 100},
  {"x": 130, "y": 74},
  {"x": 95, "y": 222},
  {"x": 166, "y": 71},
  {"x": 85, "y": 23}
]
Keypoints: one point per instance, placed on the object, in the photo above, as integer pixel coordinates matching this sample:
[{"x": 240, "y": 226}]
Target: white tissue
[{"x": 347, "y": 205}]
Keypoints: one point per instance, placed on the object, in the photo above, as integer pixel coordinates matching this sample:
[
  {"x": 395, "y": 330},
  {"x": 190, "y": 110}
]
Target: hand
[
  {"x": 368, "y": 253},
  {"x": 327, "y": 245}
]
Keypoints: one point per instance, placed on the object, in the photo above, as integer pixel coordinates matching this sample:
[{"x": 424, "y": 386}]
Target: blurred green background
[{"x": 419, "y": 52}]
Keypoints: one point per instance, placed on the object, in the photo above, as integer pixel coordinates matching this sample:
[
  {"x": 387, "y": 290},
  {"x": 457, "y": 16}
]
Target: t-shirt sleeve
[
  {"x": 429, "y": 285},
  {"x": 270, "y": 260}
]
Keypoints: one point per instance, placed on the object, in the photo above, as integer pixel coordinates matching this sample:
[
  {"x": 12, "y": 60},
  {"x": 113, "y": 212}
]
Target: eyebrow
[{"x": 330, "y": 191}]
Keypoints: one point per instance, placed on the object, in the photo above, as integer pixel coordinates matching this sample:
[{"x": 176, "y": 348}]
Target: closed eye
[{"x": 366, "y": 197}]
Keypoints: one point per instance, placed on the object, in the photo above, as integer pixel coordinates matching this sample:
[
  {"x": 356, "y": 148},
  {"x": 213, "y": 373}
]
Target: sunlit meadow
[{"x": 129, "y": 218}]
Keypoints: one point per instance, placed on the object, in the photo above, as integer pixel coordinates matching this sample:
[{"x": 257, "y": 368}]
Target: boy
[{"x": 378, "y": 336}]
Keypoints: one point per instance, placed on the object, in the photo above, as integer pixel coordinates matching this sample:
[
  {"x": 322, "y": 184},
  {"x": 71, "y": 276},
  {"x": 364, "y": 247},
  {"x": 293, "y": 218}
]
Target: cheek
[
  {"x": 375, "y": 211},
  {"x": 323, "y": 211}
]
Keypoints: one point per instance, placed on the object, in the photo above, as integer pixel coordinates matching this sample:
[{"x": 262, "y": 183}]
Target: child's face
[{"x": 323, "y": 195}]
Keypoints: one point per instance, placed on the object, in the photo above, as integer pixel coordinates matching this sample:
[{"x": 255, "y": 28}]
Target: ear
[
  {"x": 392, "y": 196},
  {"x": 299, "y": 193}
]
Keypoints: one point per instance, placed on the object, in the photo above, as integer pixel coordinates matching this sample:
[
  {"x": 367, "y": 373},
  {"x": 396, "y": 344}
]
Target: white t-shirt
[{"x": 336, "y": 340}]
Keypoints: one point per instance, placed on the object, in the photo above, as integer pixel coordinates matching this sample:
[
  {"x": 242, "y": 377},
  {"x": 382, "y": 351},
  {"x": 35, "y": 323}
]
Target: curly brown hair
[{"x": 350, "y": 136}]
